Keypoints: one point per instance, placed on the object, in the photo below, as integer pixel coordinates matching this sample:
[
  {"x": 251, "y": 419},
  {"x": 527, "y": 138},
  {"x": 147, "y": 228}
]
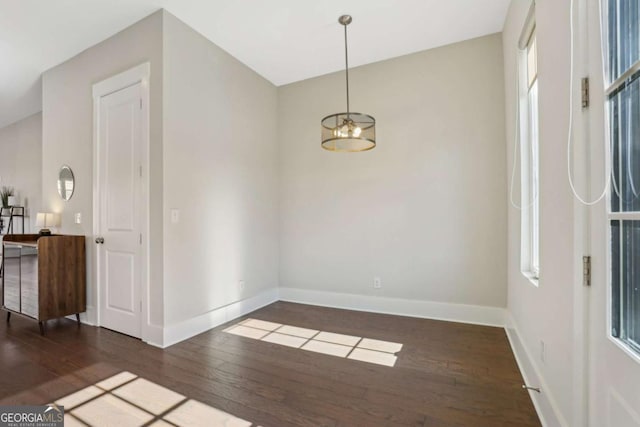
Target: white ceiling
[{"x": 283, "y": 40}]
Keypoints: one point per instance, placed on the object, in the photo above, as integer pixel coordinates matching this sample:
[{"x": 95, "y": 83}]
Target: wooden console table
[{"x": 44, "y": 276}]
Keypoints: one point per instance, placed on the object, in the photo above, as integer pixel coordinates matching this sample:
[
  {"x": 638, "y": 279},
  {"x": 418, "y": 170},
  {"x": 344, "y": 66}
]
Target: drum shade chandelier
[{"x": 348, "y": 132}]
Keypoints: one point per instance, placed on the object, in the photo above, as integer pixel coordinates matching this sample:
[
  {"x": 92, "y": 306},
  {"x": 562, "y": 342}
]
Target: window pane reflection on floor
[{"x": 128, "y": 400}]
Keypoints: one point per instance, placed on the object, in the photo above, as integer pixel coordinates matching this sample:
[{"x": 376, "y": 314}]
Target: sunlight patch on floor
[
  {"x": 339, "y": 345},
  {"x": 128, "y": 400}
]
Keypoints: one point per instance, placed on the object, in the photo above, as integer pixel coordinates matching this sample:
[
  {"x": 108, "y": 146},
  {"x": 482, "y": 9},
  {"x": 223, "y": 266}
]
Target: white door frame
[
  {"x": 139, "y": 74},
  {"x": 583, "y": 151}
]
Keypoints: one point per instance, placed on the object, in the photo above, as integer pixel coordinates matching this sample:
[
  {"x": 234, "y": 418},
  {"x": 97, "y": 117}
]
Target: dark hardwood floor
[{"x": 447, "y": 374}]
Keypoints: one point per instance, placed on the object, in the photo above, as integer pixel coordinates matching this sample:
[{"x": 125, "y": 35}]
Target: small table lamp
[{"x": 46, "y": 220}]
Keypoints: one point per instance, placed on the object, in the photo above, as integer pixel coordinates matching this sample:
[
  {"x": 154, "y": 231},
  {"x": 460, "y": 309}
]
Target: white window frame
[
  {"x": 621, "y": 216},
  {"x": 529, "y": 153}
]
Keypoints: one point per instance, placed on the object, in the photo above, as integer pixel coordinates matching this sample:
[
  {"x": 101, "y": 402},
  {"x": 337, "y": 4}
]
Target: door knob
[{"x": 99, "y": 240}]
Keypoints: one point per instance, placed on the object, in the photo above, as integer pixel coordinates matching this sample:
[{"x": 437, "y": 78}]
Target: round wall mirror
[{"x": 66, "y": 182}]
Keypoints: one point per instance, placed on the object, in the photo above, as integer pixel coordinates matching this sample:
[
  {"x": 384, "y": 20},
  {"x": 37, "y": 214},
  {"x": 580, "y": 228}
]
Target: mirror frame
[{"x": 73, "y": 180}]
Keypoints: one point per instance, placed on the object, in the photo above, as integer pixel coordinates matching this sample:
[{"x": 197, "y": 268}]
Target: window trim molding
[
  {"x": 527, "y": 199},
  {"x": 528, "y": 28}
]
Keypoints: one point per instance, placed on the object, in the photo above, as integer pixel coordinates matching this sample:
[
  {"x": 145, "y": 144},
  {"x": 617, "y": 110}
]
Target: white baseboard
[
  {"x": 189, "y": 328},
  {"x": 545, "y": 404},
  {"x": 475, "y": 314},
  {"x": 153, "y": 335}
]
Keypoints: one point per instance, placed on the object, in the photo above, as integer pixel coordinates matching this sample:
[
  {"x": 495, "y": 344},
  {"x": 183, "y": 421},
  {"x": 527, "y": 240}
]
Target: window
[
  {"x": 623, "y": 105},
  {"x": 529, "y": 167}
]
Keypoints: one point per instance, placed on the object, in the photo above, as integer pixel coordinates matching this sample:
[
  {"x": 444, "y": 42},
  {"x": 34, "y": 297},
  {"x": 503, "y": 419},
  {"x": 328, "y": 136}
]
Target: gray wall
[
  {"x": 220, "y": 171},
  {"x": 261, "y": 202},
  {"x": 21, "y": 165},
  {"x": 68, "y": 136},
  {"x": 213, "y": 156},
  {"x": 426, "y": 209}
]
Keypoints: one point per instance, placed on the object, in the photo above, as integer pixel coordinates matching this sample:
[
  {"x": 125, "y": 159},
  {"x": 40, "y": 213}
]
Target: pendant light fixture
[{"x": 348, "y": 132}]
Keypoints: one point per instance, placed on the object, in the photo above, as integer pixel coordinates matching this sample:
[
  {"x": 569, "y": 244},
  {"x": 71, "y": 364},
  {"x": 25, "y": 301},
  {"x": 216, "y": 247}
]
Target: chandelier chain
[{"x": 346, "y": 62}]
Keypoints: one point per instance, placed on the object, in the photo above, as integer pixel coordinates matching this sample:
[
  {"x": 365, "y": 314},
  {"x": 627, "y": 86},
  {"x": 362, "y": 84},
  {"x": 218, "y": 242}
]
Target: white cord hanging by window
[{"x": 570, "y": 130}]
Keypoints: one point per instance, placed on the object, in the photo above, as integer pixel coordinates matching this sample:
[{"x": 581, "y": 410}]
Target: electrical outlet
[
  {"x": 241, "y": 285},
  {"x": 542, "y": 351},
  {"x": 377, "y": 283}
]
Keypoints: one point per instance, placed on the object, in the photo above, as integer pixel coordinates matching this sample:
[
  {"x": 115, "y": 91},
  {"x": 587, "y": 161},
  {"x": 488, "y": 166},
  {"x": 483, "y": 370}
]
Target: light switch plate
[
  {"x": 175, "y": 216},
  {"x": 77, "y": 218}
]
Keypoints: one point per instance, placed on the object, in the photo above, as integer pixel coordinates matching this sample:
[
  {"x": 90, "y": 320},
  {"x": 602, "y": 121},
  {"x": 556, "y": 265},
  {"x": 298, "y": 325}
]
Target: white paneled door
[{"x": 119, "y": 203}]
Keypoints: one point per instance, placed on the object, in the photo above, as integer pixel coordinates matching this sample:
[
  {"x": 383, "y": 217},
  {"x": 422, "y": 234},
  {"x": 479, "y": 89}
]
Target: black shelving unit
[{"x": 12, "y": 213}]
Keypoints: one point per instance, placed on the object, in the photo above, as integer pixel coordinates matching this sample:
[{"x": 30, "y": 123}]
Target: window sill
[{"x": 531, "y": 277}]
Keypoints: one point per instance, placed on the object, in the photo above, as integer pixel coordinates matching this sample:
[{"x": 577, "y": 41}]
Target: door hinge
[
  {"x": 585, "y": 92},
  {"x": 140, "y": 238},
  {"x": 586, "y": 270},
  {"x": 140, "y": 168}
]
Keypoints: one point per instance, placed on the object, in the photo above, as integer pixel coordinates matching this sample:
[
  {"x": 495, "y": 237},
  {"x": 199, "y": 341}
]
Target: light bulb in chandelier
[{"x": 347, "y": 130}]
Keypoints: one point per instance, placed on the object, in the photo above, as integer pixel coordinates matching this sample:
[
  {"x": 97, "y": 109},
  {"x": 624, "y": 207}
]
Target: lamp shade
[
  {"x": 47, "y": 219},
  {"x": 348, "y": 132}
]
